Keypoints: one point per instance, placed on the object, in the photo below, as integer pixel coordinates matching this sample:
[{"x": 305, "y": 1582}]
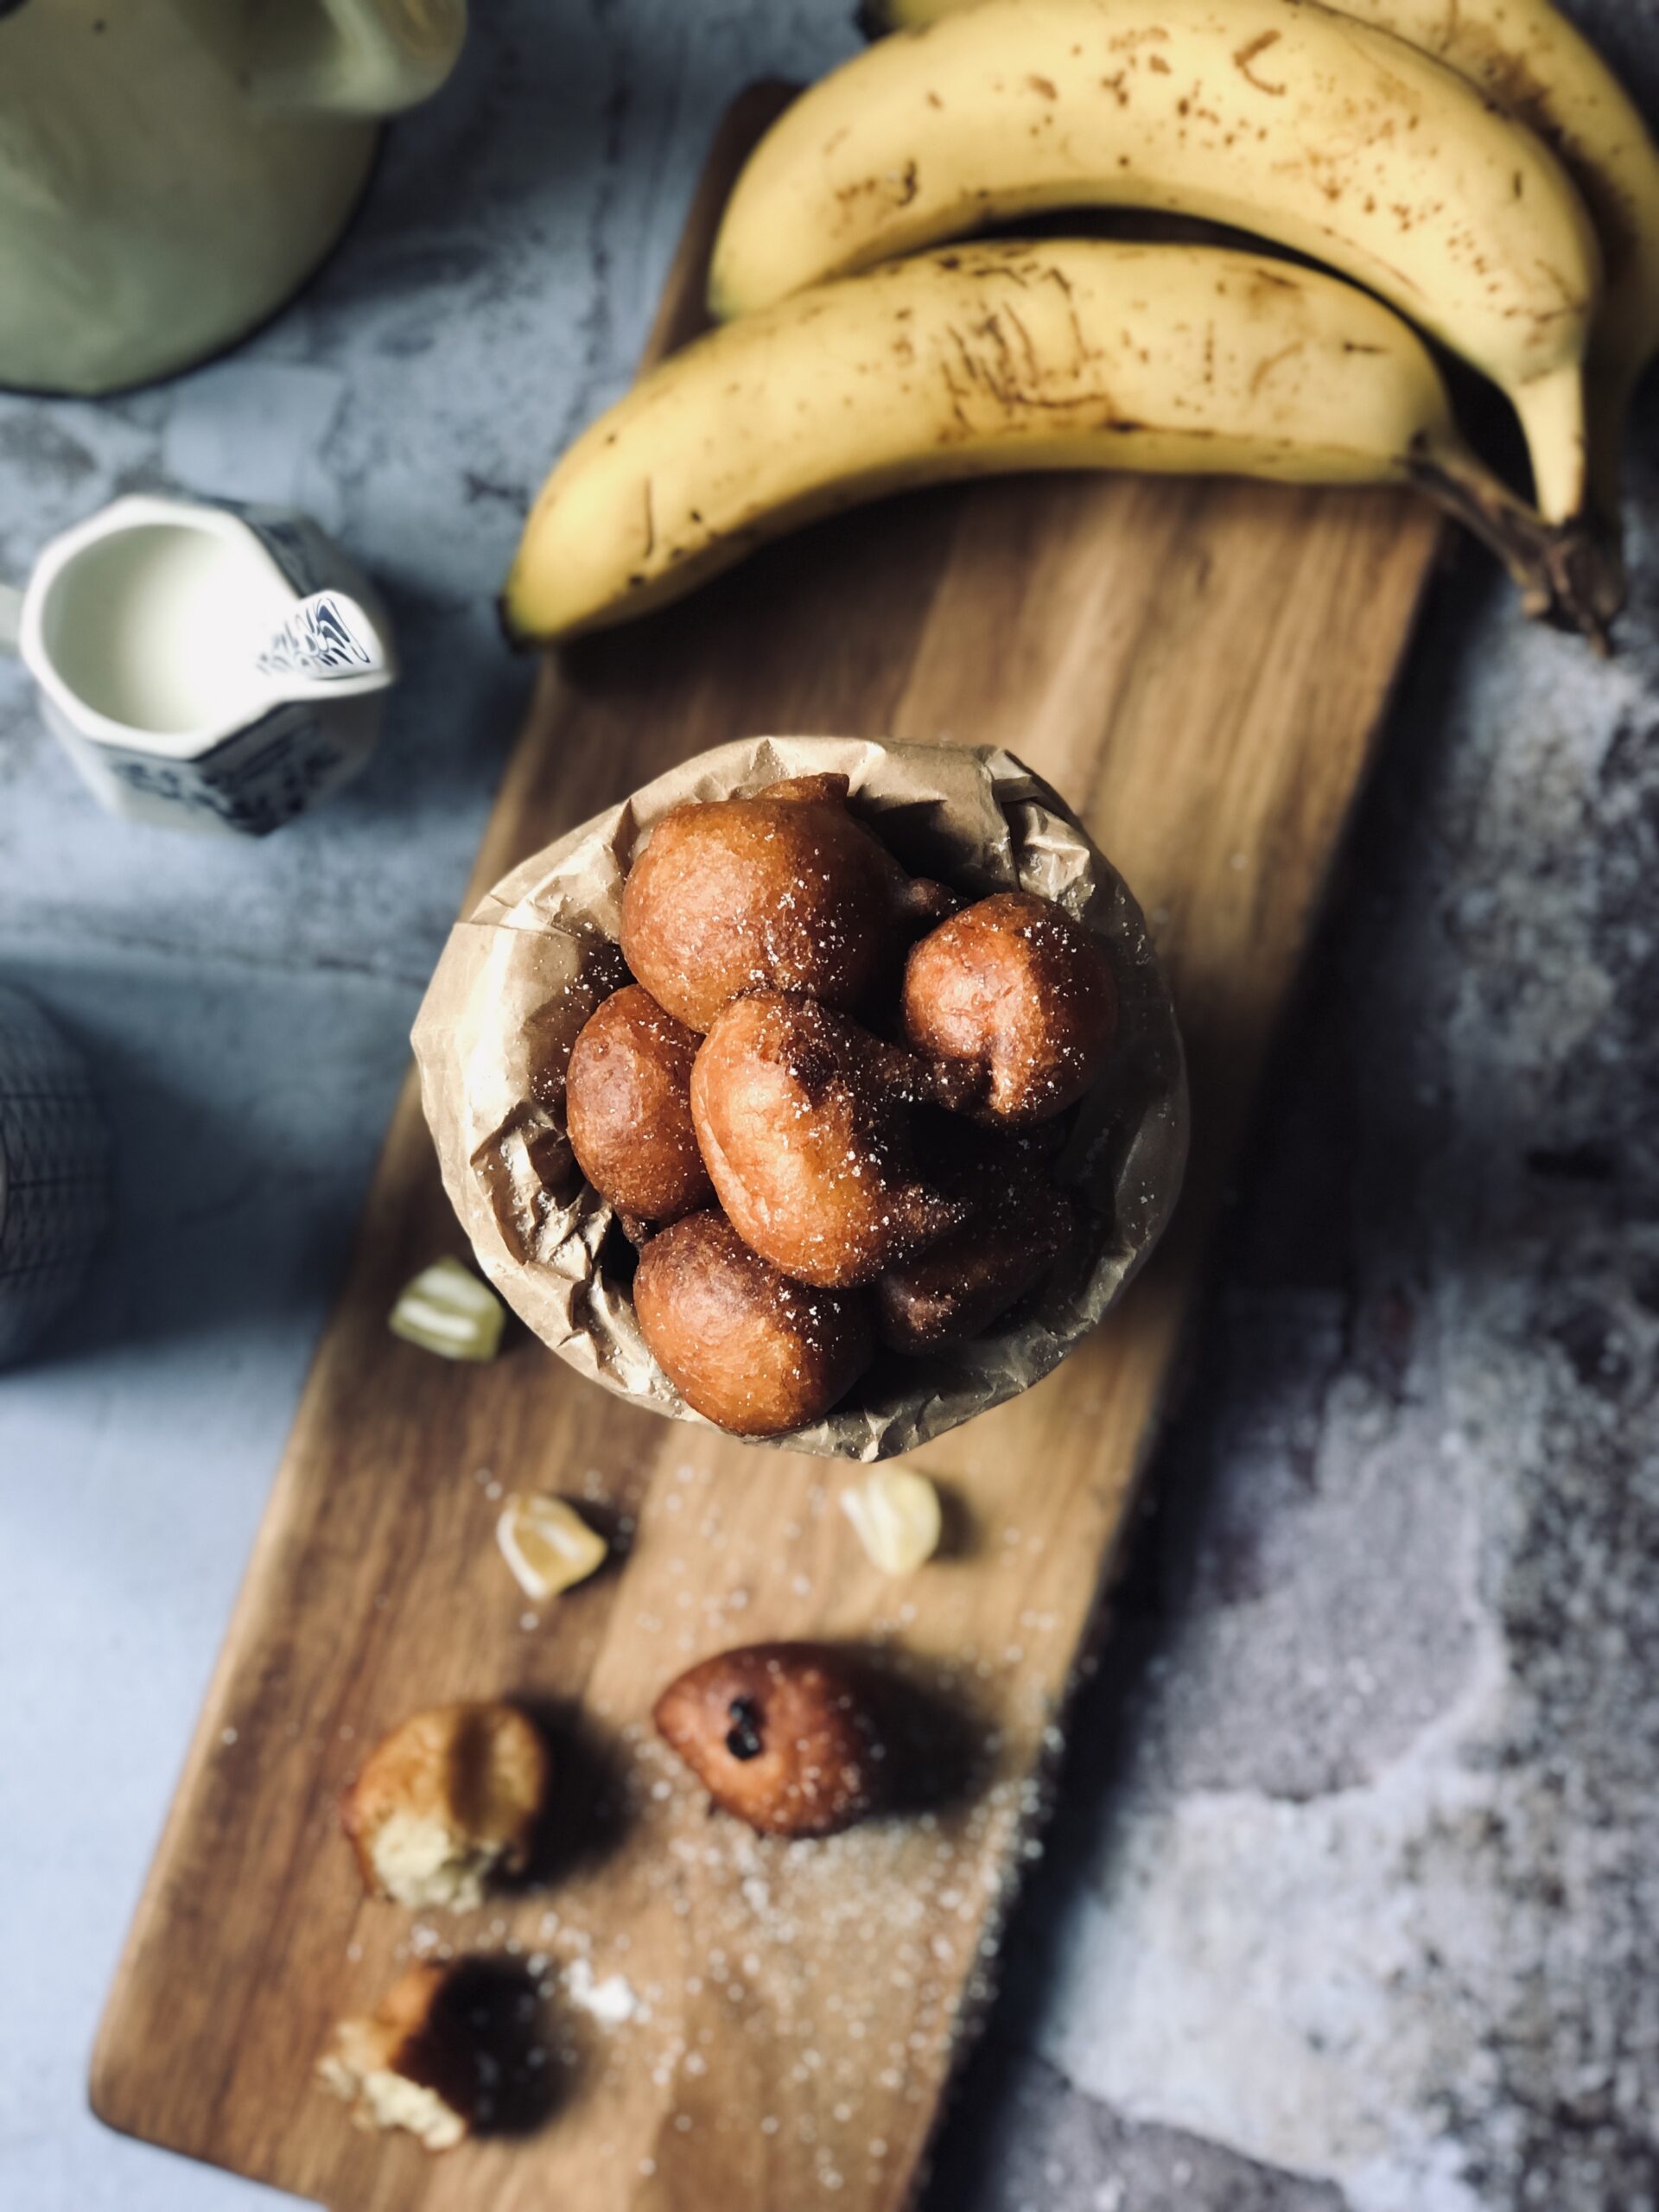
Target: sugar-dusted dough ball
[
  {"x": 808, "y": 1126},
  {"x": 786, "y": 891},
  {"x": 1015, "y": 991},
  {"x": 627, "y": 1109},
  {"x": 745, "y": 1347}
]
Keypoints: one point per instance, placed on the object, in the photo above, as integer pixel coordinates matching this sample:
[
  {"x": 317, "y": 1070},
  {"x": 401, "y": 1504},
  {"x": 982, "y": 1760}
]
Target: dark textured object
[{"x": 54, "y": 1196}]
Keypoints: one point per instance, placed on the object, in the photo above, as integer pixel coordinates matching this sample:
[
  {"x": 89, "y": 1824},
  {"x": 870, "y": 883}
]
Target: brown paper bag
[{"x": 522, "y": 973}]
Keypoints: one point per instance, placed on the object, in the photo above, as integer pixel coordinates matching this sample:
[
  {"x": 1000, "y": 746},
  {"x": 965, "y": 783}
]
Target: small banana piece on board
[
  {"x": 986, "y": 359},
  {"x": 1529, "y": 58},
  {"x": 1278, "y": 116}
]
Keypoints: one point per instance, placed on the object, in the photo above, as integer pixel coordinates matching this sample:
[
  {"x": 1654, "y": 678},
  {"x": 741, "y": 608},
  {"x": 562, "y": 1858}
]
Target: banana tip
[
  {"x": 717, "y": 295},
  {"x": 517, "y": 637}
]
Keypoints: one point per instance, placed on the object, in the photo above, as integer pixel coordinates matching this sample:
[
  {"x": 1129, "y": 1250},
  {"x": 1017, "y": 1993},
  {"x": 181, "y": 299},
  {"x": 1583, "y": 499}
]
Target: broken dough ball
[
  {"x": 807, "y": 1126},
  {"x": 745, "y": 1347},
  {"x": 411, "y": 2063},
  {"x": 784, "y": 891},
  {"x": 446, "y": 1803},
  {"x": 1018, "y": 992},
  {"x": 627, "y": 1109},
  {"x": 956, "y": 1288},
  {"x": 783, "y": 1735}
]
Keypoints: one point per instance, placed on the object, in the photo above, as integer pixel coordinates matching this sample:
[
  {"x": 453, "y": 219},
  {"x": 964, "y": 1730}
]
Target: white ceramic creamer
[
  {"x": 206, "y": 665},
  {"x": 171, "y": 170}
]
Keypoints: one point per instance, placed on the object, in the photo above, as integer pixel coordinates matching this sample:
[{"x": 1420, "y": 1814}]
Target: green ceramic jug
[{"x": 170, "y": 170}]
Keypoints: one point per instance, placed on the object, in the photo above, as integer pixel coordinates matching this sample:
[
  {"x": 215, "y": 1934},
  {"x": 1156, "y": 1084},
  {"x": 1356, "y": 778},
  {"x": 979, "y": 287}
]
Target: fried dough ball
[
  {"x": 783, "y": 1735},
  {"x": 786, "y": 890},
  {"x": 627, "y": 1109},
  {"x": 1014, "y": 988},
  {"x": 411, "y": 2062},
  {"x": 956, "y": 1289},
  {"x": 807, "y": 1126},
  {"x": 448, "y": 1803},
  {"x": 745, "y": 1347}
]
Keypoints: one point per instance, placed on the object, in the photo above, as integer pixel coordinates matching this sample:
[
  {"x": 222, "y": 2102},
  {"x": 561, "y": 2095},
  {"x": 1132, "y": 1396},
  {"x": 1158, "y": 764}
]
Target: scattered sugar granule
[{"x": 613, "y": 2002}]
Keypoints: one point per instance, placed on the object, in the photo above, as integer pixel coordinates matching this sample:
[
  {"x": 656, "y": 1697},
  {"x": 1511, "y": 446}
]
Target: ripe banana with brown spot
[
  {"x": 986, "y": 359},
  {"x": 1337, "y": 140},
  {"x": 1527, "y": 56}
]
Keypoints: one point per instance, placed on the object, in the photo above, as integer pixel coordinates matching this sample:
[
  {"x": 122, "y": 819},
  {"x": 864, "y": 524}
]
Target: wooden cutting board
[{"x": 730, "y": 2024}]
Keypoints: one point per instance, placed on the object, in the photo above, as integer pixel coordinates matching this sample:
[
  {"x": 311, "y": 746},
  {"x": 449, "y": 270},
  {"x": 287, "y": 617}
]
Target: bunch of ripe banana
[{"x": 1473, "y": 163}]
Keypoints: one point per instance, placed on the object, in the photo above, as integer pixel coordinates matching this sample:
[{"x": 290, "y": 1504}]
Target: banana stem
[{"x": 1568, "y": 573}]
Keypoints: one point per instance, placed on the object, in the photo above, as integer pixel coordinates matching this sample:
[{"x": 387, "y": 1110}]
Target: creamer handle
[
  {"x": 11, "y": 615},
  {"x": 355, "y": 57}
]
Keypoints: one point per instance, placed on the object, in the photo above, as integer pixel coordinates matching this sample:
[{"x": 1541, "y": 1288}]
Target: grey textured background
[{"x": 1350, "y": 1900}]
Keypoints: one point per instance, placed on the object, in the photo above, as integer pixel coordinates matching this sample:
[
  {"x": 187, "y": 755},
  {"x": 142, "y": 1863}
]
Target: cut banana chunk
[
  {"x": 548, "y": 1545},
  {"x": 448, "y": 1311},
  {"x": 896, "y": 1515}
]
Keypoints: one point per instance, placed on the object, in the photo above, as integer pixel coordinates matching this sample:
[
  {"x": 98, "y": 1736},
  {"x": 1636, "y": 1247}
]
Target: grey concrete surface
[{"x": 1347, "y": 1903}]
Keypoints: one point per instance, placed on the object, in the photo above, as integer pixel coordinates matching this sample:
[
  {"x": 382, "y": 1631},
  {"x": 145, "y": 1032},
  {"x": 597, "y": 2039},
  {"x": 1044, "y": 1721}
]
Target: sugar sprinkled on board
[
  {"x": 613, "y": 2002},
  {"x": 756, "y": 1931}
]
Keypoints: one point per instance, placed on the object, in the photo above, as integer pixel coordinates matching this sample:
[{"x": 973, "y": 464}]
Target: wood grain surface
[{"x": 1201, "y": 667}]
